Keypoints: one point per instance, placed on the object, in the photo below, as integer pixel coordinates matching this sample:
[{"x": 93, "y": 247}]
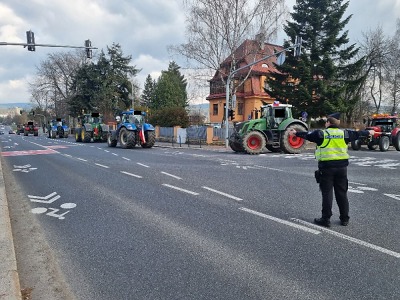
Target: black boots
[{"x": 323, "y": 222}]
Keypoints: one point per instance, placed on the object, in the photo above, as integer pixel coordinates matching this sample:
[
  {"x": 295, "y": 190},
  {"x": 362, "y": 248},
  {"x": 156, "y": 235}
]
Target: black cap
[{"x": 335, "y": 116}]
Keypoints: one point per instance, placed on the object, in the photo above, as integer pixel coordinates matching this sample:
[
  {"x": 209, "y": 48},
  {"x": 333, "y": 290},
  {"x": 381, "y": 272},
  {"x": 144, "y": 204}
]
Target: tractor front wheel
[
  {"x": 110, "y": 141},
  {"x": 384, "y": 143},
  {"x": 293, "y": 144},
  {"x": 356, "y": 145},
  {"x": 371, "y": 145},
  {"x": 396, "y": 141},
  {"x": 254, "y": 142},
  {"x": 150, "y": 137}
]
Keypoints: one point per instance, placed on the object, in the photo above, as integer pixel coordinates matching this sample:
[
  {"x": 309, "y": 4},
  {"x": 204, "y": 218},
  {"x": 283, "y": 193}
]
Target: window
[
  {"x": 215, "y": 109},
  {"x": 240, "y": 109}
]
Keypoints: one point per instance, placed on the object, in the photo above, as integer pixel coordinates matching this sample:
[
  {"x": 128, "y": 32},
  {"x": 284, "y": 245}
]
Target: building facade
[{"x": 251, "y": 94}]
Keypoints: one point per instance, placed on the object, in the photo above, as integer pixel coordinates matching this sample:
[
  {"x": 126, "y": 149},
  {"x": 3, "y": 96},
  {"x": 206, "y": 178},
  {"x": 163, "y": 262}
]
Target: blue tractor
[
  {"x": 132, "y": 130},
  {"x": 57, "y": 127}
]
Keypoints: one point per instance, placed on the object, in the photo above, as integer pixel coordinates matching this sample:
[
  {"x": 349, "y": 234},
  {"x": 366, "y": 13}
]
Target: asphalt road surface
[{"x": 92, "y": 222}]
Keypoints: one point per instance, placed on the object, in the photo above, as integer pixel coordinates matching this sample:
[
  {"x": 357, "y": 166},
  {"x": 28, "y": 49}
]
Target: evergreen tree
[
  {"x": 326, "y": 77},
  {"x": 148, "y": 92},
  {"x": 170, "y": 89}
]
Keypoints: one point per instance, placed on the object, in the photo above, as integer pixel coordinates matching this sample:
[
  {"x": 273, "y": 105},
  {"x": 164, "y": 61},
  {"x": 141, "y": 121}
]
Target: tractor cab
[{"x": 275, "y": 113}]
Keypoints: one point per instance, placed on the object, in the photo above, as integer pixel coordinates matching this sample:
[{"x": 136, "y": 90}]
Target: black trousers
[{"x": 334, "y": 179}]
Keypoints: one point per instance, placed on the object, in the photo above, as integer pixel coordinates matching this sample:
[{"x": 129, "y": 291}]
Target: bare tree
[
  {"x": 392, "y": 70},
  {"x": 51, "y": 89},
  {"x": 216, "y": 28},
  {"x": 375, "y": 47}
]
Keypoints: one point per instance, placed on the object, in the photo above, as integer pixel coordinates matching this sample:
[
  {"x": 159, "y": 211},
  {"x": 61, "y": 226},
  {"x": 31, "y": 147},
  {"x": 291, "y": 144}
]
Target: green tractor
[
  {"x": 91, "y": 127},
  {"x": 271, "y": 131}
]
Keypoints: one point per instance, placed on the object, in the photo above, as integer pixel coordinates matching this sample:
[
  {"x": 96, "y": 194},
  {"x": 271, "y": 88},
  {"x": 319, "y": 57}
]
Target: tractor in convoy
[
  {"x": 57, "y": 128},
  {"x": 132, "y": 130},
  {"x": 91, "y": 127},
  {"x": 271, "y": 131},
  {"x": 387, "y": 128},
  {"x": 31, "y": 128}
]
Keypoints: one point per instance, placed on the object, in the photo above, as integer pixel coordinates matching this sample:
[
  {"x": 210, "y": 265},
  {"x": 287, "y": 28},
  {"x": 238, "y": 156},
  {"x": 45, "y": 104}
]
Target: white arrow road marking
[
  {"x": 396, "y": 197},
  {"x": 44, "y": 199},
  {"x": 22, "y": 167}
]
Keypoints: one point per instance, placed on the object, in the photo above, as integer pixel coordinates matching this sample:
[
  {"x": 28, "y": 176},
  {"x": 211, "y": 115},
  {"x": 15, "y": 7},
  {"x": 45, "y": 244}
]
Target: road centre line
[
  {"x": 103, "y": 166},
  {"x": 130, "y": 174},
  {"x": 114, "y": 154},
  {"x": 176, "y": 177},
  {"x": 301, "y": 227},
  {"x": 223, "y": 194},
  {"x": 349, "y": 238},
  {"x": 125, "y": 158},
  {"x": 81, "y": 159},
  {"x": 180, "y": 189},
  {"x": 146, "y": 166}
]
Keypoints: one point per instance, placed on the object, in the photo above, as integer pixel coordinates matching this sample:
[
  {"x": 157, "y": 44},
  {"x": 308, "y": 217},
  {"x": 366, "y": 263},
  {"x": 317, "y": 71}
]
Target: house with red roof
[{"x": 251, "y": 94}]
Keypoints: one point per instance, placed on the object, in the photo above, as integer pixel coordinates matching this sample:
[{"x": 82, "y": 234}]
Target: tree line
[
  {"x": 68, "y": 84},
  {"x": 330, "y": 75}
]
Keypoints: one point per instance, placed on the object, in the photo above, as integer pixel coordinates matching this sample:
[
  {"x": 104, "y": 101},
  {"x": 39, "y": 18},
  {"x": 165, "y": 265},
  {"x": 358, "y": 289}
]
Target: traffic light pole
[{"x": 297, "y": 48}]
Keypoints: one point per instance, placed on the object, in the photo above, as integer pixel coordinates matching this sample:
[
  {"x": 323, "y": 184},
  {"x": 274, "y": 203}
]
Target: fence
[{"x": 192, "y": 136}]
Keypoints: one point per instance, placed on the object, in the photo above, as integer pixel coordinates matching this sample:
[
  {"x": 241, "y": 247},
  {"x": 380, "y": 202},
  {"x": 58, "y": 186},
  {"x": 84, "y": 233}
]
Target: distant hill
[{"x": 17, "y": 104}]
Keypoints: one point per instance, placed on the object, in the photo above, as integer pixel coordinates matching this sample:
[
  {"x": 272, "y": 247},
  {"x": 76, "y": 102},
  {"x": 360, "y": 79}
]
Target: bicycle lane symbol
[{"x": 65, "y": 208}]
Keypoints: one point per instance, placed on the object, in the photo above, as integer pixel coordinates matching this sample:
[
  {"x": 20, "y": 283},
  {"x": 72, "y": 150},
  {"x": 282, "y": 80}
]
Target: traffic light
[
  {"x": 30, "y": 40},
  {"x": 231, "y": 114},
  {"x": 88, "y": 44}
]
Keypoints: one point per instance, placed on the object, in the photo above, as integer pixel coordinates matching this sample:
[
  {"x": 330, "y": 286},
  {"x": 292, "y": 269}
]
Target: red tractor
[
  {"x": 388, "y": 133},
  {"x": 31, "y": 128}
]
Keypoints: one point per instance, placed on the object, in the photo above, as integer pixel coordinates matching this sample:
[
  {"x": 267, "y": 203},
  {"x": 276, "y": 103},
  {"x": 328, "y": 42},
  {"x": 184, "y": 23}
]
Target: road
[{"x": 92, "y": 222}]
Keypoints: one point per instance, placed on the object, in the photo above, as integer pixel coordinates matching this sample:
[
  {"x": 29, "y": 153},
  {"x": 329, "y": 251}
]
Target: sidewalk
[{"x": 9, "y": 280}]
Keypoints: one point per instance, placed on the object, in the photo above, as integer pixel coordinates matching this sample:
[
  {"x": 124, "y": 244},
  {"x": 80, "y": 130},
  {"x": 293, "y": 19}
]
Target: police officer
[{"x": 333, "y": 159}]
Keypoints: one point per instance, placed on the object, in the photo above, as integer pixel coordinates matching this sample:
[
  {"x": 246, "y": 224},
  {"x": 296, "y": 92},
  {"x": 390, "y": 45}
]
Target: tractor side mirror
[{"x": 118, "y": 119}]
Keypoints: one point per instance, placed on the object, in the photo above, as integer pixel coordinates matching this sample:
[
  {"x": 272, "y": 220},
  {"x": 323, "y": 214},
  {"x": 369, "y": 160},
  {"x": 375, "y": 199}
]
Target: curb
[{"x": 9, "y": 280}]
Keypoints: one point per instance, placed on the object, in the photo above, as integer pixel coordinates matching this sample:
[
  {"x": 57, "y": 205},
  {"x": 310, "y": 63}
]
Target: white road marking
[
  {"x": 291, "y": 224},
  {"x": 126, "y": 158},
  {"x": 176, "y": 177},
  {"x": 130, "y": 174},
  {"x": 103, "y": 166},
  {"x": 396, "y": 197},
  {"x": 180, "y": 189},
  {"x": 223, "y": 194},
  {"x": 106, "y": 151},
  {"x": 143, "y": 165},
  {"x": 357, "y": 183},
  {"x": 81, "y": 159},
  {"x": 351, "y": 239},
  {"x": 114, "y": 154}
]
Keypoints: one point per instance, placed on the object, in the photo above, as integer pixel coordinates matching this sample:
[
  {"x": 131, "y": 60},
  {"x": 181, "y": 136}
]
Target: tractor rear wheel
[
  {"x": 110, "y": 141},
  {"x": 150, "y": 137},
  {"x": 78, "y": 137},
  {"x": 384, "y": 143},
  {"x": 356, "y": 145},
  {"x": 396, "y": 141},
  {"x": 293, "y": 144},
  {"x": 254, "y": 142},
  {"x": 86, "y": 135},
  {"x": 126, "y": 138}
]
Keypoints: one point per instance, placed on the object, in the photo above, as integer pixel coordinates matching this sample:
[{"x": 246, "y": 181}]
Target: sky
[{"x": 144, "y": 29}]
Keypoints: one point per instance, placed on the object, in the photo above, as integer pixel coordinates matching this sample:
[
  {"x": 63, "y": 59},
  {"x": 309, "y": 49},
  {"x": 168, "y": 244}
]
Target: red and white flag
[{"x": 142, "y": 136}]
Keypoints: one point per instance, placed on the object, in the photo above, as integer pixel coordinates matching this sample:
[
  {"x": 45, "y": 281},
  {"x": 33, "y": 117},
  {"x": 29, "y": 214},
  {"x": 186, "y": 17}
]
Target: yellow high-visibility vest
[{"x": 334, "y": 147}]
